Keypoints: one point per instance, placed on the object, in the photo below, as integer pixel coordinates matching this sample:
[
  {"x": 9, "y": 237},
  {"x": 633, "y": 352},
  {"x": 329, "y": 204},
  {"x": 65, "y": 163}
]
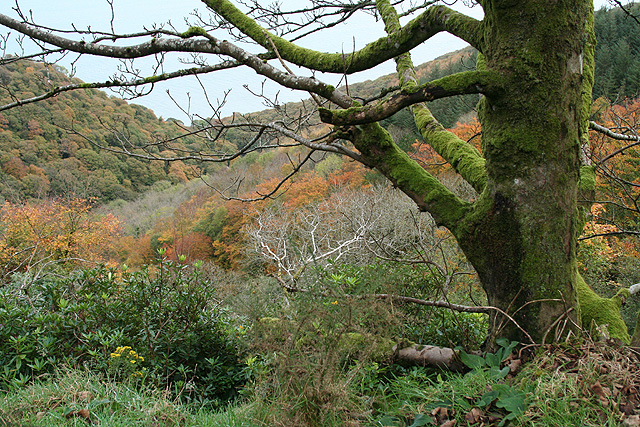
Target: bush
[{"x": 166, "y": 313}]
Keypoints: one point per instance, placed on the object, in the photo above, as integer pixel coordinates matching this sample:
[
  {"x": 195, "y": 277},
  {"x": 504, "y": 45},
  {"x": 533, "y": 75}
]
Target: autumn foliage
[
  {"x": 60, "y": 232},
  {"x": 208, "y": 227}
]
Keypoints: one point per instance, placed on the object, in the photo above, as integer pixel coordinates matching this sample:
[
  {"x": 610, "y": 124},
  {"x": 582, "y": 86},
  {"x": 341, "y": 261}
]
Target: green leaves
[
  {"x": 164, "y": 312},
  {"x": 502, "y": 396}
]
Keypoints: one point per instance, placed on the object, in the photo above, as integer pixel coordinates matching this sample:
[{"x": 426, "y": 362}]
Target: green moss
[
  {"x": 463, "y": 157},
  {"x": 377, "y": 348},
  {"x": 193, "y": 31},
  {"x": 587, "y": 179},
  {"x": 154, "y": 79},
  {"x": 481, "y": 62},
  {"x": 430, "y": 195},
  {"x": 598, "y": 311}
]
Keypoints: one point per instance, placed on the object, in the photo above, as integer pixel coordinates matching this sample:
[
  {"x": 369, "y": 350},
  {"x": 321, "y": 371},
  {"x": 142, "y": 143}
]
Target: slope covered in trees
[
  {"x": 617, "y": 53},
  {"x": 357, "y": 263},
  {"x": 44, "y": 149}
]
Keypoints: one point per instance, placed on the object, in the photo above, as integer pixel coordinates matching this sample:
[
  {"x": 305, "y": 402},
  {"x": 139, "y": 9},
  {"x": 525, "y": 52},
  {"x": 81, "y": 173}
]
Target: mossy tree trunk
[{"x": 521, "y": 235}]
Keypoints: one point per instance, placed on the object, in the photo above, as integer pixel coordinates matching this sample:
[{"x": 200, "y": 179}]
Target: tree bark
[{"x": 521, "y": 235}]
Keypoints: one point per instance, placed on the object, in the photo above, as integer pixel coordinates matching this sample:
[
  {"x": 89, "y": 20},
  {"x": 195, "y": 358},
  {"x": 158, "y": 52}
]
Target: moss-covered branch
[
  {"x": 432, "y": 21},
  {"x": 378, "y": 150},
  {"x": 462, "y": 156},
  {"x": 464, "y": 83}
]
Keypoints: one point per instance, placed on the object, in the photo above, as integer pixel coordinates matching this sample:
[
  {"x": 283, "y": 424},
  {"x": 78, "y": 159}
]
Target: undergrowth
[{"x": 582, "y": 384}]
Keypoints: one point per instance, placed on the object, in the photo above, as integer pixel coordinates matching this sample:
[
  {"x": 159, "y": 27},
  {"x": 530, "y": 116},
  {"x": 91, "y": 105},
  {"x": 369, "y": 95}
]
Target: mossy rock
[{"x": 377, "y": 348}]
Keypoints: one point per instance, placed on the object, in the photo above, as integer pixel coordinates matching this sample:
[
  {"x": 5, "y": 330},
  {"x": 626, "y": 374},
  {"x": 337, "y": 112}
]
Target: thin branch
[
  {"x": 456, "y": 307},
  {"x": 627, "y": 11},
  {"x": 116, "y": 83},
  {"x": 611, "y": 233},
  {"x": 275, "y": 189}
]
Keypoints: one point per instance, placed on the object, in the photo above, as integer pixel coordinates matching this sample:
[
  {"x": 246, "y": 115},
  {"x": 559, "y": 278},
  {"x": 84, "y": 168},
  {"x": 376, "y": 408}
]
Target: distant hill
[
  {"x": 448, "y": 111},
  {"x": 39, "y": 157}
]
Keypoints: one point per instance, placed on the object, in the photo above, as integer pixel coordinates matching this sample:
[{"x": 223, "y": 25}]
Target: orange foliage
[
  {"x": 135, "y": 251},
  {"x": 15, "y": 167},
  {"x": 618, "y": 180},
  {"x": 305, "y": 189},
  {"x": 193, "y": 246},
  {"x": 595, "y": 227},
  {"x": 55, "y": 230},
  {"x": 469, "y": 131},
  {"x": 301, "y": 189},
  {"x": 350, "y": 175},
  {"x": 626, "y": 162},
  {"x": 4, "y": 123},
  {"x": 229, "y": 247}
]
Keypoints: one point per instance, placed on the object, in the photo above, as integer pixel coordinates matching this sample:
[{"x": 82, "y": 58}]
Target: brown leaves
[
  {"x": 82, "y": 413},
  {"x": 514, "y": 366},
  {"x": 444, "y": 417},
  {"x": 441, "y": 416},
  {"x": 473, "y": 416},
  {"x": 632, "y": 421},
  {"x": 603, "y": 393}
]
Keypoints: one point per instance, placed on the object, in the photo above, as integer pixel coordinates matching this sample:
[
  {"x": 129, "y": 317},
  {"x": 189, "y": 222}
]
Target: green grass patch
[{"x": 80, "y": 398}]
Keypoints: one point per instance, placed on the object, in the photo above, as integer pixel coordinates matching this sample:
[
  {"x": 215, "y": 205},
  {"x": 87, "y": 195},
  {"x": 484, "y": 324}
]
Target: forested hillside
[
  {"x": 132, "y": 293},
  {"x": 617, "y": 54},
  {"x": 45, "y": 148}
]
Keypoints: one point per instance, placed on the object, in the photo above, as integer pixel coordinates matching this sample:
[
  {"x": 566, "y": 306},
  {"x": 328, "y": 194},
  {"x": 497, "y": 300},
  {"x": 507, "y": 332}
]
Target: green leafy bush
[{"x": 167, "y": 314}]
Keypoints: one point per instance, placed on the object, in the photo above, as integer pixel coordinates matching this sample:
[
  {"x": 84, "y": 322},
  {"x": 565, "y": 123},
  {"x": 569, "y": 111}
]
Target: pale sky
[{"x": 132, "y": 15}]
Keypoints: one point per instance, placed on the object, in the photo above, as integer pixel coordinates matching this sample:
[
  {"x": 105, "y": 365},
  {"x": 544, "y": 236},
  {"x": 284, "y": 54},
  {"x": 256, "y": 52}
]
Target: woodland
[{"x": 344, "y": 260}]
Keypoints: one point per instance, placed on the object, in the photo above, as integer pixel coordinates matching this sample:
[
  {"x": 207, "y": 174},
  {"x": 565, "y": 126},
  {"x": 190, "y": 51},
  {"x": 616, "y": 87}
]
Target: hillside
[
  {"x": 617, "y": 54},
  {"x": 44, "y": 147}
]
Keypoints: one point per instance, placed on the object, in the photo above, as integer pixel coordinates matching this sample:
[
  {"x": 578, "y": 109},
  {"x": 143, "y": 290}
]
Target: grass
[
  {"x": 581, "y": 385},
  {"x": 79, "y": 398}
]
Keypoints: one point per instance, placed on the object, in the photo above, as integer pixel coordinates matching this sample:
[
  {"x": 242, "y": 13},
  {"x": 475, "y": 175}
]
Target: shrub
[{"x": 167, "y": 313}]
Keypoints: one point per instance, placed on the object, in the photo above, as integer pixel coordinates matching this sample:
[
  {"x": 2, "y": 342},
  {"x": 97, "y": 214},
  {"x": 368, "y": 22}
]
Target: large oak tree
[{"x": 535, "y": 70}]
